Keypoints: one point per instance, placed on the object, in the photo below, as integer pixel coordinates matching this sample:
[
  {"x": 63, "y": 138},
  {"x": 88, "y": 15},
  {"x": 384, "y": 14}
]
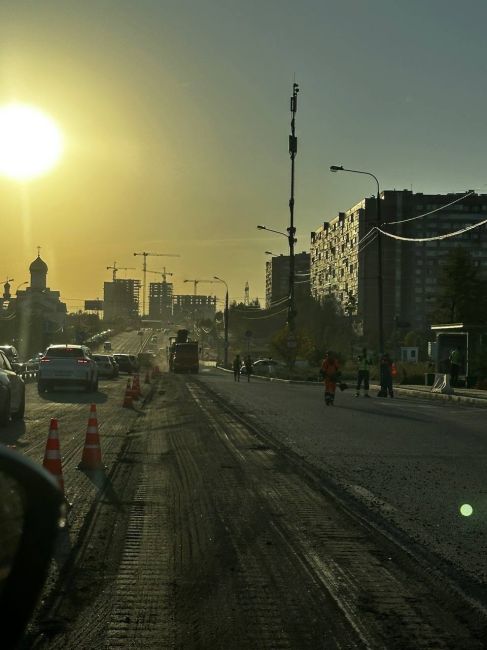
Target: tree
[{"x": 461, "y": 290}]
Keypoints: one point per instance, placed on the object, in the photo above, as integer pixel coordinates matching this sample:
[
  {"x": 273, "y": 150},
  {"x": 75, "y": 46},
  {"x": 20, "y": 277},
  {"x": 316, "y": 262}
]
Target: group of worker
[
  {"x": 237, "y": 367},
  {"x": 330, "y": 372}
]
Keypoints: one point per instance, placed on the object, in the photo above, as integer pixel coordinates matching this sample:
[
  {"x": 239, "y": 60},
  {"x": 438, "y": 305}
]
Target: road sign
[{"x": 248, "y": 334}]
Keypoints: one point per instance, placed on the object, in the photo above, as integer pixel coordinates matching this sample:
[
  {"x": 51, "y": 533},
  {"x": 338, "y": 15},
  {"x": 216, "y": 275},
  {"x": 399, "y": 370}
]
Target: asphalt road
[
  {"x": 201, "y": 533},
  {"x": 411, "y": 461}
]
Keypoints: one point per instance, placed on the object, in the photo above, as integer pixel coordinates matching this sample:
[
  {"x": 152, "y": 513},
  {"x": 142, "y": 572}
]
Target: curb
[{"x": 462, "y": 399}]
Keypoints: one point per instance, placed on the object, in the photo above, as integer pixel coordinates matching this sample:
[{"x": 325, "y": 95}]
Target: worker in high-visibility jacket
[{"x": 330, "y": 373}]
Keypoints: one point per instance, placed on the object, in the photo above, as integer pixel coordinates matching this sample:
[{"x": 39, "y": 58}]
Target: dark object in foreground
[{"x": 30, "y": 512}]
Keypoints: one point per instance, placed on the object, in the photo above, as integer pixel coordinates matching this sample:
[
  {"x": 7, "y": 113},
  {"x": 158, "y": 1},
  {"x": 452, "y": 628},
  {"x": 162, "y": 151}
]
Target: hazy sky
[{"x": 176, "y": 120}]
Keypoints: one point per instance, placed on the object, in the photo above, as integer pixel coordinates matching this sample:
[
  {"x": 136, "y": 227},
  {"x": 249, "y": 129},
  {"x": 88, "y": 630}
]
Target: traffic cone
[
  {"x": 136, "y": 387},
  {"x": 52, "y": 455},
  {"x": 91, "y": 458},
  {"x": 127, "y": 399}
]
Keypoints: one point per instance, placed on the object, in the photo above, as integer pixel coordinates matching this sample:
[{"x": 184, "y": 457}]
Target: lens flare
[
  {"x": 466, "y": 510},
  {"x": 30, "y": 142}
]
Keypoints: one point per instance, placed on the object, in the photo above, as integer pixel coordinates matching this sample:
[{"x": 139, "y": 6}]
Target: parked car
[
  {"x": 12, "y": 392},
  {"x": 13, "y": 356},
  {"x": 266, "y": 366},
  {"x": 126, "y": 363},
  {"x": 67, "y": 364},
  {"x": 105, "y": 365}
]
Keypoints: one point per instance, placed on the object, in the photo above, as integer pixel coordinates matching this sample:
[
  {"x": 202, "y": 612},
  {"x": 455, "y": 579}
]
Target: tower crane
[
  {"x": 196, "y": 282},
  {"x": 116, "y": 268},
  {"x": 162, "y": 273},
  {"x": 144, "y": 269}
]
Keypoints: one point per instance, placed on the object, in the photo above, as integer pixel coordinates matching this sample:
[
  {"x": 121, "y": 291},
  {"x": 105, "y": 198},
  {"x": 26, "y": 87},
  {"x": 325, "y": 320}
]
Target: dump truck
[{"x": 183, "y": 353}]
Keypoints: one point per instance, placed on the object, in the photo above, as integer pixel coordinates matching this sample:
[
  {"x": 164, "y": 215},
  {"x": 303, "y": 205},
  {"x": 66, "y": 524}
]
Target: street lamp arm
[
  {"x": 215, "y": 277},
  {"x": 278, "y": 232},
  {"x": 341, "y": 168}
]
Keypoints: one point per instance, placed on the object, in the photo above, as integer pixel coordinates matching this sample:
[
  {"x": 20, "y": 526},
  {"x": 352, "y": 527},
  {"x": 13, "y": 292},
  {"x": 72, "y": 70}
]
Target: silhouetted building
[
  {"x": 191, "y": 307},
  {"x": 344, "y": 256},
  {"x": 121, "y": 300},
  {"x": 39, "y": 313},
  {"x": 277, "y": 277},
  {"x": 160, "y": 300}
]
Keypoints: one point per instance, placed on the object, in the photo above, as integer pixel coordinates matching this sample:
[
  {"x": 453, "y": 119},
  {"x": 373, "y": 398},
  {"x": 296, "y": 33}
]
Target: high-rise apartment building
[
  {"x": 344, "y": 255},
  {"x": 160, "y": 300},
  {"x": 193, "y": 307},
  {"x": 277, "y": 277},
  {"x": 121, "y": 300}
]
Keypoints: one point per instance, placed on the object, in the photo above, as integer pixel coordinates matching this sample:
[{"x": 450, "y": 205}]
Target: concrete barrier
[{"x": 441, "y": 384}]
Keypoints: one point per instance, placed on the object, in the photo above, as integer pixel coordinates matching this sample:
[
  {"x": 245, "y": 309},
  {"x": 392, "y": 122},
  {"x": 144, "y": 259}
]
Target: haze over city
[{"x": 175, "y": 118}]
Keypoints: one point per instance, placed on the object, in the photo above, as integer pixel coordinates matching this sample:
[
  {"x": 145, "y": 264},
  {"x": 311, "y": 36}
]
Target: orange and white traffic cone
[
  {"x": 136, "y": 387},
  {"x": 91, "y": 459},
  {"x": 52, "y": 455},
  {"x": 128, "y": 399}
]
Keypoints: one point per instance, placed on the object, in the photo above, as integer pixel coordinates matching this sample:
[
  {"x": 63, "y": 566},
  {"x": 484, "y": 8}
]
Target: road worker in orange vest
[{"x": 331, "y": 374}]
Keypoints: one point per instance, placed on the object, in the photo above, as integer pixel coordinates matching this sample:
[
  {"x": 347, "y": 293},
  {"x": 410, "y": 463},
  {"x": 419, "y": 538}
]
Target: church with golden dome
[{"x": 39, "y": 315}]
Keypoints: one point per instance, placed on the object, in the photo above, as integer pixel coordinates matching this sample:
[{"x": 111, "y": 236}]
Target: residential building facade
[
  {"x": 344, "y": 255},
  {"x": 160, "y": 300},
  {"x": 190, "y": 307},
  {"x": 121, "y": 300},
  {"x": 277, "y": 277}
]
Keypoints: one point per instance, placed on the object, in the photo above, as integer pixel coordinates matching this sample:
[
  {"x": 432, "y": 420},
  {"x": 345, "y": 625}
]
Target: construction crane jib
[
  {"x": 116, "y": 268},
  {"x": 162, "y": 273},
  {"x": 196, "y": 282},
  {"x": 145, "y": 255}
]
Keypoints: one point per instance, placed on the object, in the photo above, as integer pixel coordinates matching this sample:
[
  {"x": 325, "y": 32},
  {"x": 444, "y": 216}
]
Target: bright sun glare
[{"x": 30, "y": 142}]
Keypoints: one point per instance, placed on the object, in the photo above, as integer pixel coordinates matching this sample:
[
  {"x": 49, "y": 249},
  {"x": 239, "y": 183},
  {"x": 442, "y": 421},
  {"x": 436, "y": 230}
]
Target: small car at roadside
[{"x": 12, "y": 392}]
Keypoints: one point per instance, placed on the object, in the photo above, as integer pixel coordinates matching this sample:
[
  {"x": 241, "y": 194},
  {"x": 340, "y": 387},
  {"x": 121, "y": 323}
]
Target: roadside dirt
[{"x": 206, "y": 536}]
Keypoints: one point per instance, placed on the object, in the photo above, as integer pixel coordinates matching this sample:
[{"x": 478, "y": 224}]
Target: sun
[{"x": 30, "y": 142}]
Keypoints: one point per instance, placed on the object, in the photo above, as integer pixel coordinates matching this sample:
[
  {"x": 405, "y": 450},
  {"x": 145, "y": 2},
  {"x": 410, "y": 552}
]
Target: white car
[
  {"x": 106, "y": 368},
  {"x": 12, "y": 392},
  {"x": 67, "y": 364}
]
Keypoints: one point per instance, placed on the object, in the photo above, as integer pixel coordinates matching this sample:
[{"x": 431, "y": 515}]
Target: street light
[
  {"x": 279, "y": 232},
  {"x": 340, "y": 168},
  {"x": 225, "y": 322},
  {"x": 21, "y": 285}
]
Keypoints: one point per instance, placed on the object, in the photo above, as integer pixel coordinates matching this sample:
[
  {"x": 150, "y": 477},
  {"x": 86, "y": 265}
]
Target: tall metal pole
[
  {"x": 225, "y": 322},
  {"x": 225, "y": 358},
  {"x": 379, "y": 275},
  {"x": 293, "y": 150}
]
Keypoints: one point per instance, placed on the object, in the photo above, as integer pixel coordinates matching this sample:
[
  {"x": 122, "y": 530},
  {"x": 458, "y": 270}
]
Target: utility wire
[
  {"x": 268, "y": 316},
  {"x": 420, "y": 216},
  {"x": 437, "y": 237}
]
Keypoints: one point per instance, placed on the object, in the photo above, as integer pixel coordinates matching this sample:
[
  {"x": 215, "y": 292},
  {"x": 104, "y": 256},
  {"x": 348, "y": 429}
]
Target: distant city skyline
[{"x": 175, "y": 118}]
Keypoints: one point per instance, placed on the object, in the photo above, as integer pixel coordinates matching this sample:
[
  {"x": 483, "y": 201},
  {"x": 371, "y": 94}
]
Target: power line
[
  {"x": 437, "y": 237},
  {"x": 263, "y": 317},
  {"x": 420, "y": 216}
]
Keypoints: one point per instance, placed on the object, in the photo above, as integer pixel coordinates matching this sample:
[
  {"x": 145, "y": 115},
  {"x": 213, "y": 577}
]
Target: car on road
[
  {"x": 32, "y": 364},
  {"x": 263, "y": 367},
  {"x": 115, "y": 365},
  {"x": 126, "y": 362},
  {"x": 106, "y": 367},
  {"x": 67, "y": 364},
  {"x": 13, "y": 356},
  {"x": 146, "y": 359},
  {"x": 12, "y": 392}
]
